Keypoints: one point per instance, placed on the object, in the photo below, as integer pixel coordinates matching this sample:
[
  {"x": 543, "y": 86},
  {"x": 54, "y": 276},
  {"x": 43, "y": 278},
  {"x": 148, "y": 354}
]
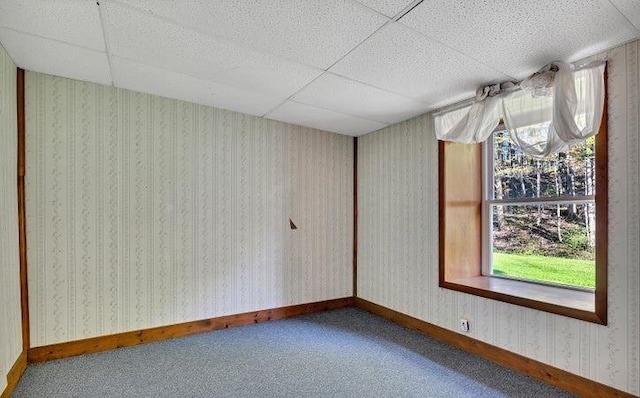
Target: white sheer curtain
[
  {"x": 529, "y": 121},
  {"x": 556, "y": 108},
  {"x": 470, "y": 124}
]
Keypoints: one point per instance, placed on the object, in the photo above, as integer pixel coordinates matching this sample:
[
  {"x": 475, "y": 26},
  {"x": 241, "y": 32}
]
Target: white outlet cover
[{"x": 464, "y": 325}]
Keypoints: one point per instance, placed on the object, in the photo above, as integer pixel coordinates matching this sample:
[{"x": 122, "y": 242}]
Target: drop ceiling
[{"x": 345, "y": 66}]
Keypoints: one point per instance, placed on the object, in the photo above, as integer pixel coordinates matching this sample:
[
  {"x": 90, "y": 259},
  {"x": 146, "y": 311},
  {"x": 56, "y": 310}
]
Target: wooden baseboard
[
  {"x": 13, "y": 377},
  {"x": 103, "y": 343},
  {"x": 548, "y": 374}
]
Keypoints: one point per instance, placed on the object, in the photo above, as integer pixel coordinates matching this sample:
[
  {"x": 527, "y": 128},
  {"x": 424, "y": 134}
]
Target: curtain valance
[{"x": 552, "y": 110}]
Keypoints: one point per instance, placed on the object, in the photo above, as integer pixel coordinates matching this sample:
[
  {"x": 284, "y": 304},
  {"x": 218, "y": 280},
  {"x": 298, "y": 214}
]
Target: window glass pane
[
  {"x": 517, "y": 175},
  {"x": 546, "y": 243}
]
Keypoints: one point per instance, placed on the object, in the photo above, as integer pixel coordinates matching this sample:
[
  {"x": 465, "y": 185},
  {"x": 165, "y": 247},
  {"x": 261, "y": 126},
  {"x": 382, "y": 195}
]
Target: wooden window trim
[{"x": 460, "y": 237}]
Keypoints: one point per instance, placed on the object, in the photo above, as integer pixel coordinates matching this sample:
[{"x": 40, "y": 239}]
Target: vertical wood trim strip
[
  {"x": 22, "y": 214},
  {"x": 21, "y": 121},
  {"x": 602, "y": 209},
  {"x": 441, "y": 212},
  {"x": 355, "y": 216}
]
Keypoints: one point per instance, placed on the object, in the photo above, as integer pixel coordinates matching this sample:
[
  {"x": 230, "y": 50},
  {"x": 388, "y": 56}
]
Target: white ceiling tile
[
  {"x": 347, "y": 96},
  {"x": 72, "y": 21},
  {"x": 56, "y": 58},
  {"x": 147, "y": 79},
  {"x": 387, "y": 7},
  {"x": 518, "y": 38},
  {"x": 630, "y": 9},
  {"x": 312, "y": 32},
  {"x": 142, "y": 38},
  {"x": 306, "y": 115},
  {"x": 403, "y": 61}
]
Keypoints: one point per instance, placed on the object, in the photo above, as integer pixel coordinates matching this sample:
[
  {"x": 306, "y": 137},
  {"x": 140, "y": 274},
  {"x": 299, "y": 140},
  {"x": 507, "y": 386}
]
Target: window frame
[
  {"x": 461, "y": 232},
  {"x": 489, "y": 200}
]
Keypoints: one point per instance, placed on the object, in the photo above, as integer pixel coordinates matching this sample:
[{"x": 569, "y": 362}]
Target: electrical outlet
[{"x": 464, "y": 325}]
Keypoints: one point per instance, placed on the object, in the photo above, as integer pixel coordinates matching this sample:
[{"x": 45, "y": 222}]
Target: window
[
  {"x": 539, "y": 215},
  {"x": 540, "y": 246},
  {"x": 517, "y": 229}
]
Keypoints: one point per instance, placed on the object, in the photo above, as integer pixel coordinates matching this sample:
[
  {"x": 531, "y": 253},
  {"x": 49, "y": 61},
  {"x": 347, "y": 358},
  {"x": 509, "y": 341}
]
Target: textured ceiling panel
[
  {"x": 55, "y": 58},
  {"x": 144, "y": 39},
  {"x": 72, "y": 21},
  {"x": 339, "y": 94},
  {"x": 630, "y": 9},
  {"x": 403, "y": 61},
  {"x": 518, "y": 40},
  {"x": 250, "y": 56},
  {"x": 312, "y": 32},
  {"x": 143, "y": 78},
  {"x": 387, "y": 7},
  {"x": 306, "y": 115}
]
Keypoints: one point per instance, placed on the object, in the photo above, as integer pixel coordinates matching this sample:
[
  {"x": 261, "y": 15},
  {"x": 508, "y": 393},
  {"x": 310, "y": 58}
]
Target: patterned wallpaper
[
  {"x": 10, "y": 321},
  {"x": 398, "y": 246},
  {"x": 145, "y": 211}
]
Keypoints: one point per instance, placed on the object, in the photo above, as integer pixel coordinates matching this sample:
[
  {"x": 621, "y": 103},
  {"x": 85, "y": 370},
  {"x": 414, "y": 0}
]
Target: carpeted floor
[{"x": 341, "y": 353}]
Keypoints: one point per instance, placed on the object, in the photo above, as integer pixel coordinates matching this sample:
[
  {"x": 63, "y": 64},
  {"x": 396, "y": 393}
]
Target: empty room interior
[{"x": 336, "y": 198}]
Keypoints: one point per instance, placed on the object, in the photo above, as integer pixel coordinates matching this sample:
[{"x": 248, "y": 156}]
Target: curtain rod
[{"x": 469, "y": 101}]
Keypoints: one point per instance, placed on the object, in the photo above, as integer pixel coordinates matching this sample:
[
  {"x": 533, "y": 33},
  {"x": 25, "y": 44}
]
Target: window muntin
[{"x": 539, "y": 215}]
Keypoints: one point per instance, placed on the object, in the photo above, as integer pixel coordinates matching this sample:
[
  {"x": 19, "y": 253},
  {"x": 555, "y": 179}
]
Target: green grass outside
[{"x": 545, "y": 268}]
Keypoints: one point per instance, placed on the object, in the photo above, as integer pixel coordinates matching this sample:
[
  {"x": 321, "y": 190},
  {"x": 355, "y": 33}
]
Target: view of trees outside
[{"x": 547, "y": 242}]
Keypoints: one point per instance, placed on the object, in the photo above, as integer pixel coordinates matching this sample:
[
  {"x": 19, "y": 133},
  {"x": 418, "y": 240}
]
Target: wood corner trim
[
  {"x": 126, "y": 339},
  {"x": 20, "y": 76},
  {"x": 355, "y": 216},
  {"x": 549, "y": 374},
  {"x": 14, "y": 375},
  {"x": 22, "y": 211}
]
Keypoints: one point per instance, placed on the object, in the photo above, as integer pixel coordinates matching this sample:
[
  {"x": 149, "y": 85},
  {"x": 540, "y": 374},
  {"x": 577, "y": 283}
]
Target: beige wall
[
  {"x": 10, "y": 321},
  {"x": 145, "y": 211},
  {"x": 398, "y": 246}
]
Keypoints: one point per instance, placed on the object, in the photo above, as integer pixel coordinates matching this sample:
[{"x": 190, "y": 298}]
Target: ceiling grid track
[
  {"x": 401, "y": 14},
  {"x": 106, "y": 45},
  {"x": 22, "y": 32},
  {"x": 407, "y": 10},
  {"x": 624, "y": 15},
  {"x": 289, "y": 98}
]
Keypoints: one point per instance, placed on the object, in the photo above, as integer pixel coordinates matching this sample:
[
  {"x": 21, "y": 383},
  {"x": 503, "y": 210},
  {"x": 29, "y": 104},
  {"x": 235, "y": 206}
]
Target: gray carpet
[{"x": 341, "y": 353}]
